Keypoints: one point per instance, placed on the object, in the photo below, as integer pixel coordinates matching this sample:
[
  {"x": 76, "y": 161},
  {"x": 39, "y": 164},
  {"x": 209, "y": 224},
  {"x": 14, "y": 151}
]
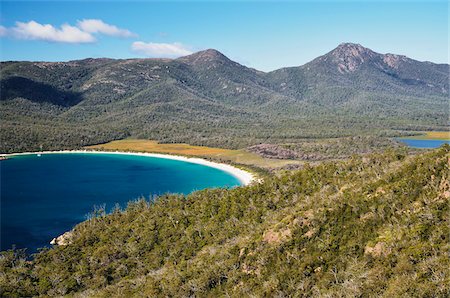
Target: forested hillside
[
  {"x": 375, "y": 225},
  {"x": 207, "y": 99}
]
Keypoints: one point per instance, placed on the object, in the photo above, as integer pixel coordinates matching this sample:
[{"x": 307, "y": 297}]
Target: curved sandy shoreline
[{"x": 243, "y": 176}]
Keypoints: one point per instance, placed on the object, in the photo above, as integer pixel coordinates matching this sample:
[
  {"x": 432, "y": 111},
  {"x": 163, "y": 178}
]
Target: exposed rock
[
  {"x": 349, "y": 56},
  {"x": 273, "y": 237},
  {"x": 380, "y": 249},
  {"x": 64, "y": 239},
  {"x": 248, "y": 269},
  {"x": 393, "y": 60},
  {"x": 242, "y": 252},
  {"x": 444, "y": 188},
  {"x": 380, "y": 191},
  {"x": 309, "y": 234}
]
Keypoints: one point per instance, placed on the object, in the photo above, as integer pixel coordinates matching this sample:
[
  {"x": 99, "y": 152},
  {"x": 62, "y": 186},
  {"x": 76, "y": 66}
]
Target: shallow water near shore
[
  {"x": 45, "y": 196},
  {"x": 417, "y": 143}
]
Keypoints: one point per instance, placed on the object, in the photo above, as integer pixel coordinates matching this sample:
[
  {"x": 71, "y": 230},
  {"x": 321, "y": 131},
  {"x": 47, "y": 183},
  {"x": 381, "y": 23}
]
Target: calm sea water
[
  {"x": 423, "y": 143},
  {"x": 43, "y": 197}
]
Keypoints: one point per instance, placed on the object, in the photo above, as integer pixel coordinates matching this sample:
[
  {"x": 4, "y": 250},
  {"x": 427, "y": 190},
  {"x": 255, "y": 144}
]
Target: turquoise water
[
  {"x": 423, "y": 143},
  {"x": 43, "y": 197}
]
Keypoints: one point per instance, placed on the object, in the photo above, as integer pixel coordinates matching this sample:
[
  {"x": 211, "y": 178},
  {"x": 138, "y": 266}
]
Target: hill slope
[
  {"x": 371, "y": 226},
  {"x": 207, "y": 99}
]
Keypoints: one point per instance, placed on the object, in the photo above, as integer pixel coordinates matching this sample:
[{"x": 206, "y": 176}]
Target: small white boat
[{"x": 39, "y": 155}]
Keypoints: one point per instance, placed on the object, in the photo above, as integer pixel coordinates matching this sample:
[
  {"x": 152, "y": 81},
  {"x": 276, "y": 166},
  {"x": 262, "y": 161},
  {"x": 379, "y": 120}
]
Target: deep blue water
[
  {"x": 423, "y": 143},
  {"x": 43, "y": 197}
]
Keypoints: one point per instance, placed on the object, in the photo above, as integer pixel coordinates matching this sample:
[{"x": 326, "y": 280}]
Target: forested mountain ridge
[
  {"x": 370, "y": 226},
  {"x": 207, "y": 99}
]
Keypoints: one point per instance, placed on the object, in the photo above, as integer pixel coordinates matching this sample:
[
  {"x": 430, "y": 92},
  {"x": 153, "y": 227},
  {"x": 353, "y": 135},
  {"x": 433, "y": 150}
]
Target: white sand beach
[{"x": 243, "y": 176}]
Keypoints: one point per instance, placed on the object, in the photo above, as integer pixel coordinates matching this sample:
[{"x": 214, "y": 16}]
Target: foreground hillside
[
  {"x": 371, "y": 226},
  {"x": 207, "y": 99}
]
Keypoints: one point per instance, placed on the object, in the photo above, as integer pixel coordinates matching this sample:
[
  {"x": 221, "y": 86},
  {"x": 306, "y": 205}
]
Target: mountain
[
  {"x": 210, "y": 57},
  {"x": 354, "y": 66},
  {"x": 207, "y": 99}
]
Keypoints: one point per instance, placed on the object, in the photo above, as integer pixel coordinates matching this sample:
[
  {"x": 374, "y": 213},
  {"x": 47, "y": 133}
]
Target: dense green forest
[
  {"x": 374, "y": 225},
  {"x": 207, "y": 99}
]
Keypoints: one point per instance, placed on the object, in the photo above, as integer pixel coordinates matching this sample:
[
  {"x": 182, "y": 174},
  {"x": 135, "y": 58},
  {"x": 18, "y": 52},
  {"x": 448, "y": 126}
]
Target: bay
[{"x": 45, "y": 196}]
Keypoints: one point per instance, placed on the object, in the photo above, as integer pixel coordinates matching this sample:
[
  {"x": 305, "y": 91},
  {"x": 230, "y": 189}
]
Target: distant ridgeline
[
  {"x": 207, "y": 99},
  {"x": 372, "y": 226}
]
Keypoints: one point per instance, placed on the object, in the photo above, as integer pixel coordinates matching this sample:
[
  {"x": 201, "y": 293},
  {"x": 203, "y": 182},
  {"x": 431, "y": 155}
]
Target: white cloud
[
  {"x": 166, "y": 50},
  {"x": 98, "y": 26},
  {"x": 35, "y": 31},
  {"x": 3, "y": 31},
  {"x": 84, "y": 32}
]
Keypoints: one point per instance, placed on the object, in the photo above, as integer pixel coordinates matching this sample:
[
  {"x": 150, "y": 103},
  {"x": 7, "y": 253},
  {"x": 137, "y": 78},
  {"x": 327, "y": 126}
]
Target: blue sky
[{"x": 264, "y": 35}]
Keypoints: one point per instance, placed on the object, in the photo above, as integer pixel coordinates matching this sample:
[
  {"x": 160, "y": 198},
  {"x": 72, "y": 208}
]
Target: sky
[{"x": 265, "y": 35}]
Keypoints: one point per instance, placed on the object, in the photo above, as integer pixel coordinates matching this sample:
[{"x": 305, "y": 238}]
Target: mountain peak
[
  {"x": 349, "y": 56},
  {"x": 209, "y": 55},
  {"x": 351, "y": 46}
]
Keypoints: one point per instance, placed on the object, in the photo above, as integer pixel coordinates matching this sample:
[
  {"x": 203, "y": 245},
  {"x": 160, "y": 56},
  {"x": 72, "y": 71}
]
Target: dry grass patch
[
  {"x": 155, "y": 147},
  {"x": 433, "y": 135},
  {"x": 236, "y": 156}
]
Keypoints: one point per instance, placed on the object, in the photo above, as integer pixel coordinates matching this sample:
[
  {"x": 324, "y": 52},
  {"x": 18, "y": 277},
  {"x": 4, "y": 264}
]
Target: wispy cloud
[
  {"x": 84, "y": 32},
  {"x": 35, "y": 31},
  {"x": 98, "y": 26},
  {"x": 165, "y": 50},
  {"x": 3, "y": 31}
]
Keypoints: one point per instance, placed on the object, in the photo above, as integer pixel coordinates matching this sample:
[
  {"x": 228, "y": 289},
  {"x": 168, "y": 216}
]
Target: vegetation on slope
[
  {"x": 323, "y": 149},
  {"x": 375, "y": 225},
  {"x": 207, "y": 99}
]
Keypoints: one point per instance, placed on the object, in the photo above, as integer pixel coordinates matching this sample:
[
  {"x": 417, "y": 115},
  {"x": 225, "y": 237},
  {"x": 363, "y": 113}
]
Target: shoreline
[{"x": 243, "y": 176}]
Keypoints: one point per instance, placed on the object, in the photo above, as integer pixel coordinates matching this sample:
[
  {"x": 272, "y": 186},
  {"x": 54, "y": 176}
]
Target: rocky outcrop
[
  {"x": 349, "y": 56},
  {"x": 380, "y": 249},
  {"x": 276, "y": 237},
  {"x": 393, "y": 60},
  {"x": 64, "y": 239}
]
